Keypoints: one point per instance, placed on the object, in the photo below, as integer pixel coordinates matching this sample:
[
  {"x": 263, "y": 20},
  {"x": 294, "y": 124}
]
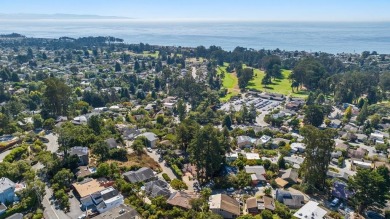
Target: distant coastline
[{"x": 327, "y": 37}]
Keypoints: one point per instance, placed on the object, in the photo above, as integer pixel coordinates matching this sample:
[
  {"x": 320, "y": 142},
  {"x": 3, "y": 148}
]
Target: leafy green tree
[
  {"x": 370, "y": 189},
  {"x": 118, "y": 67},
  {"x": 95, "y": 123},
  {"x": 37, "y": 121},
  {"x": 63, "y": 178},
  {"x": 178, "y": 184},
  {"x": 138, "y": 145},
  {"x": 375, "y": 120},
  {"x": 314, "y": 115},
  {"x": 181, "y": 109},
  {"x": 206, "y": 151},
  {"x": 243, "y": 179},
  {"x": 348, "y": 113},
  {"x": 103, "y": 170},
  {"x": 266, "y": 214},
  {"x": 363, "y": 114},
  {"x": 102, "y": 150},
  {"x": 49, "y": 123},
  {"x": 186, "y": 132},
  {"x": 227, "y": 122},
  {"x": 56, "y": 96},
  {"x": 319, "y": 146}
]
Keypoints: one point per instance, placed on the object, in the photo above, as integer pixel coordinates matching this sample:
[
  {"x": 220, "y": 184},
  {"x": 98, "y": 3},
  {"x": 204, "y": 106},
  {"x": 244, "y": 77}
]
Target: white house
[{"x": 310, "y": 210}]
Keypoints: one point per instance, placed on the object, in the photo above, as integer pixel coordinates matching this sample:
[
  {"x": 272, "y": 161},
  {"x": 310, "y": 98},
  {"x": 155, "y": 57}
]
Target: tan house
[
  {"x": 225, "y": 206},
  {"x": 181, "y": 199},
  {"x": 255, "y": 205}
]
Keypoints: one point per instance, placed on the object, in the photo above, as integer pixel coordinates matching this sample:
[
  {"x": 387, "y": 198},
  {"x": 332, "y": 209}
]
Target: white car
[
  {"x": 83, "y": 216},
  {"x": 149, "y": 150}
]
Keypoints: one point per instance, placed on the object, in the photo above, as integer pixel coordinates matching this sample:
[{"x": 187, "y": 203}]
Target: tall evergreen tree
[{"x": 319, "y": 146}]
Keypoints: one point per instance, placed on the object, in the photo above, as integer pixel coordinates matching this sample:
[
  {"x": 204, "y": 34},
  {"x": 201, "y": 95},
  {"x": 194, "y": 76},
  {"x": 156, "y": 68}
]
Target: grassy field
[
  {"x": 154, "y": 55},
  {"x": 280, "y": 86},
  {"x": 230, "y": 82}
]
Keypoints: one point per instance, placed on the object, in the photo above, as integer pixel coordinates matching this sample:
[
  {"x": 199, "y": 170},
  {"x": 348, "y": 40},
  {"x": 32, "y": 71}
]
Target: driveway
[
  {"x": 74, "y": 210},
  {"x": 164, "y": 168}
]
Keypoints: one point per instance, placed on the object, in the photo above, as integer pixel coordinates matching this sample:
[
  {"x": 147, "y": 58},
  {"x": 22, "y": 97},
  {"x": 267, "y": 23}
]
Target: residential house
[
  {"x": 252, "y": 156},
  {"x": 151, "y": 139},
  {"x": 378, "y": 138},
  {"x": 358, "y": 153},
  {"x": 265, "y": 139},
  {"x": 144, "y": 174},
  {"x": 80, "y": 120},
  {"x": 84, "y": 171},
  {"x": 111, "y": 142},
  {"x": 361, "y": 164},
  {"x": 244, "y": 141},
  {"x": 294, "y": 160},
  {"x": 120, "y": 212},
  {"x": 297, "y": 147},
  {"x": 335, "y": 123},
  {"x": 291, "y": 200},
  {"x": 276, "y": 142},
  {"x": 255, "y": 205},
  {"x": 107, "y": 199},
  {"x": 341, "y": 146},
  {"x": 182, "y": 199},
  {"x": 257, "y": 174},
  {"x": 230, "y": 157},
  {"x": 7, "y": 190},
  {"x": 89, "y": 186},
  {"x": 157, "y": 188},
  {"x": 340, "y": 191},
  {"x": 361, "y": 137},
  {"x": 310, "y": 210},
  {"x": 82, "y": 153},
  {"x": 290, "y": 175},
  {"x": 225, "y": 206}
]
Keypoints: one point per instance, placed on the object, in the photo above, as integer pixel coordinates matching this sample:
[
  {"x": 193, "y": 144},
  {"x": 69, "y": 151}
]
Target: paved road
[
  {"x": 5, "y": 153},
  {"x": 50, "y": 212},
  {"x": 165, "y": 169}
]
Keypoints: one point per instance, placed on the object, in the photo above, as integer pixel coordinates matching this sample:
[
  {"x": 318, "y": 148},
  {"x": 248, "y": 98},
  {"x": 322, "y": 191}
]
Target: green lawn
[
  {"x": 281, "y": 86},
  {"x": 154, "y": 55},
  {"x": 230, "y": 82}
]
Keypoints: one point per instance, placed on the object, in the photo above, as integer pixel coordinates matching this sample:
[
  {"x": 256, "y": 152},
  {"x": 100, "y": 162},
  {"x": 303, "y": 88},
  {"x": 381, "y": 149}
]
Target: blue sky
[{"x": 269, "y": 10}]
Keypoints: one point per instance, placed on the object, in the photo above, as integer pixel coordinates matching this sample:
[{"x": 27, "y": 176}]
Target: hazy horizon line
[{"x": 92, "y": 18}]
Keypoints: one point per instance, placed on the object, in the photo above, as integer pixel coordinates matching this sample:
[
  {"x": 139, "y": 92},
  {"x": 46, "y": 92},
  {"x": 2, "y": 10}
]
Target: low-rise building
[
  {"x": 257, "y": 174},
  {"x": 310, "y": 210},
  {"x": 120, "y": 212},
  {"x": 82, "y": 153},
  {"x": 291, "y": 200},
  {"x": 151, "y": 139},
  {"x": 107, "y": 199},
  {"x": 144, "y": 174},
  {"x": 225, "y": 206},
  {"x": 7, "y": 190},
  {"x": 181, "y": 199},
  {"x": 244, "y": 141}
]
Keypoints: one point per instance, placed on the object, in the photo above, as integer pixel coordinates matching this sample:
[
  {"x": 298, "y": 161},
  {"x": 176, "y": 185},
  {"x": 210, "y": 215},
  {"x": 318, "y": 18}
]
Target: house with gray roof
[
  {"x": 144, "y": 174},
  {"x": 257, "y": 173},
  {"x": 291, "y": 200},
  {"x": 15, "y": 216},
  {"x": 7, "y": 190},
  {"x": 151, "y": 139},
  {"x": 157, "y": 188},
  {"x": 244, "y": 141},
  {"x": 82, "y": 153}
]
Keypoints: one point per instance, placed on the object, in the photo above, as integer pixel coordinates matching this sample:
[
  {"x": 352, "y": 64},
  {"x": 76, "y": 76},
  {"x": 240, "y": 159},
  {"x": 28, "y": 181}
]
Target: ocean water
[{"x": 308, "y": 36}]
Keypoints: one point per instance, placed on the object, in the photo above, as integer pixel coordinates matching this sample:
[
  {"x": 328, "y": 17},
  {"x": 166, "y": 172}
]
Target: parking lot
[{"x": 259, "y": 103}]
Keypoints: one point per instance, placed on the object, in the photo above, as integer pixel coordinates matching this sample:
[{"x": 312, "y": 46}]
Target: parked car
[
  {"x": 149, "y": 150},
  {"x": 231, "y": 189},
  {"x": 335, "y": 202}
]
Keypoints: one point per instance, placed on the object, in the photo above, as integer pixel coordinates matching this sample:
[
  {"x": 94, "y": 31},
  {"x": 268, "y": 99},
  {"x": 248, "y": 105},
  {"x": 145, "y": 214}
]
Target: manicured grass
[
  {"x": 230, "y": 82},
  {"x": 154, "y": 55},
  {"x": 280, "y": 86}
]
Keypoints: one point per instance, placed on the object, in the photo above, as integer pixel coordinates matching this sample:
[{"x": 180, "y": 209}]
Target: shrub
[
  {"x": 177, "y": 171},
  {"x": 166, "y": 177},
  {"x": 178, "y": 184}
]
